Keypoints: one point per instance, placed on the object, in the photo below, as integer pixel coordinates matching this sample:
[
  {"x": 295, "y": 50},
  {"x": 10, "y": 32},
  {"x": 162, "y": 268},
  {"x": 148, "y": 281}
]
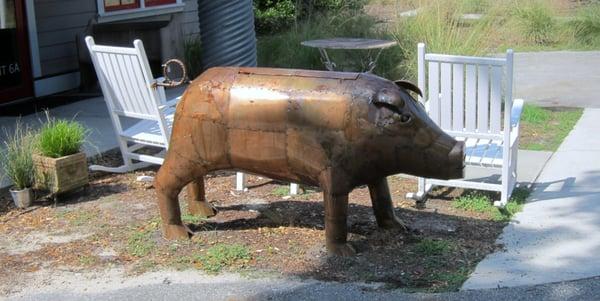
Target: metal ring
[{"x": 169, "y": 82}]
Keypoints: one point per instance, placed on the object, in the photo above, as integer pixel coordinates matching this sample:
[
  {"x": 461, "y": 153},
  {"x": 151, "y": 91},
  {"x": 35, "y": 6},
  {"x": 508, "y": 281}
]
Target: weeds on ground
[
  {"x": 480, "y": 202},
  {"x": 546, "y": 128},
  {"x": 192, "y": 219},
  {"x": 87, "y": 260},
  {"x": 140, "y": 242},
  {"x": 77, "y": 217},
  {"x": 281, "y": 191},
  {"x": 451, "y": 281},
  {"x": 432, "y": 247},
  {"x": 222, "y": 255}
]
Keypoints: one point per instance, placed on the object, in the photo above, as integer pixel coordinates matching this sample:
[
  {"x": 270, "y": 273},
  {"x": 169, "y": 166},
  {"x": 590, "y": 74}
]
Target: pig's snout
[{"x": 456, "y": 159}]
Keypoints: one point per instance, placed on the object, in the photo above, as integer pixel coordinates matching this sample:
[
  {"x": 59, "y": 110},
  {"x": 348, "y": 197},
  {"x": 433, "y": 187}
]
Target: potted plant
[
  {"x": 60, "y": 164},
  {"x": 17, "y": 164}
]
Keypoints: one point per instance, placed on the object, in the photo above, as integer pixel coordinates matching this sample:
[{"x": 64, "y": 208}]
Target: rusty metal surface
[{"x": 329, "y": 129}]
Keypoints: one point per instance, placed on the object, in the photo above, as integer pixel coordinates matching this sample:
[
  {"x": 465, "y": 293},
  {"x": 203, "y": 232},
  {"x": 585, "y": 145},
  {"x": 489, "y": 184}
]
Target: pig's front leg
[
  {"x": 382, "y": 205},
  {"x": 336, "y": 232},
  {"x": 336, "y": 214}
]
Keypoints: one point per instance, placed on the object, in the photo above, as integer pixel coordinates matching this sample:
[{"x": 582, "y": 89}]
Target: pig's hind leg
[
  {"x": 197, "y": 204},
  {"x": 383, "y": 207},
  {"x": 174, "y": 174}
]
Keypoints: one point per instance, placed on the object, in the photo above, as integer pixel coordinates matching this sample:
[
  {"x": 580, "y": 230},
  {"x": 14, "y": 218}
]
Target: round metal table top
[{"x": 349, "y": 43}]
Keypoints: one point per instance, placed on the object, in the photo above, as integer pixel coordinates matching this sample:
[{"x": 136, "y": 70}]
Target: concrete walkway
[
  {"x": 557, "y": 236},
  {"x": 558, "y": 78}
]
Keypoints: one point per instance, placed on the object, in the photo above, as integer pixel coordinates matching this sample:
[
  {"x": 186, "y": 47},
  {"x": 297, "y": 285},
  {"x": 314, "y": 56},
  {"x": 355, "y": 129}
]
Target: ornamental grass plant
[
  {"x": 59, "y": 137},
  {"x": 16, "y": 158}
]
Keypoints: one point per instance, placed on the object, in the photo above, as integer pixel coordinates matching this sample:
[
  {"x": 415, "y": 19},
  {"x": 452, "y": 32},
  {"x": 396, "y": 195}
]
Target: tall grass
[
  {"x": 438, "y": 24},
  {"x": 586, "y": 25},
  {"x": 537, "y": 21},
  {"x": 517, "y": 24},
  {"x": 59, "y": 137},
  {"x": 16, "y": 159},
  {"x": 475, "y": 6},
  {"x": 192, "y": 54}
]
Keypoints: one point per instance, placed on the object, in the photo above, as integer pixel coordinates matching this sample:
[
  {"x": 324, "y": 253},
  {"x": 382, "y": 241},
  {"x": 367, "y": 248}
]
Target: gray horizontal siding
[
  {"x": 189, "y": 21},
  {"x": 58, "y": 23}
]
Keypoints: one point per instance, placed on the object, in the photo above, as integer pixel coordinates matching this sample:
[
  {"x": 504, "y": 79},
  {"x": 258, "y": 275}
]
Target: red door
[{"x": 15, "y": 72}]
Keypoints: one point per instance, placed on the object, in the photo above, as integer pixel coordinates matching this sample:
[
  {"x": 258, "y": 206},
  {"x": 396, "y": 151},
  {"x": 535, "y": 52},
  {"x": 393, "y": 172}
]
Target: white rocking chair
[
  {"x": 464, "y": 96},
  {"x": 130, "y": 91}
]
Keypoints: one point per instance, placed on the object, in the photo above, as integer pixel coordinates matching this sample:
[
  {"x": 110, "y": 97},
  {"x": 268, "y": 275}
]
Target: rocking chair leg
[
  {"x": 120, "y": 169},
  {"x": 239, "y": 181},
  {"x": 420, "y": 197}
]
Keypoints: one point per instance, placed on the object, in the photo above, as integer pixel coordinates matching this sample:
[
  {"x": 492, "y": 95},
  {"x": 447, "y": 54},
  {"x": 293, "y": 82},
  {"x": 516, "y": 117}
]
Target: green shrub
[
  {"x": 16, "y": 159},
  {"x": 537, "y": 22},
  {"x": 273, "y": 16},
  {"x": 192, "y": 53},
  {"x": 587, "y": 25},
  {"x": 59, "y": 137}
]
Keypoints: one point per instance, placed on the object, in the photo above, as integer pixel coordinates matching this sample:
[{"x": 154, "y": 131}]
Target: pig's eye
[
  {"x": 402, "y": 118},
  {"x": 405, "y": 118}
]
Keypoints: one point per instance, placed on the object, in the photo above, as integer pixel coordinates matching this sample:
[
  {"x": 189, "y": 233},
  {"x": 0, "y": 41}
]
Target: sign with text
[{"x": 10, "y": 69}]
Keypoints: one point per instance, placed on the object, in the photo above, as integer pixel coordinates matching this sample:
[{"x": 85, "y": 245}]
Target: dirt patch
[{"x": 114, "y": 223}]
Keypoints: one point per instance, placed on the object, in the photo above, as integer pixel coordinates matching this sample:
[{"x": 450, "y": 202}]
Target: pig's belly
[
  {"x": 260, "y": 152},
  {"x": 276, "y": 154}
]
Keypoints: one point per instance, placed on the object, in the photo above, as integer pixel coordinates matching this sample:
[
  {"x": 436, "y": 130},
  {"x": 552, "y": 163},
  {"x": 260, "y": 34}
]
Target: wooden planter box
[{"x": 62, "y": 174}]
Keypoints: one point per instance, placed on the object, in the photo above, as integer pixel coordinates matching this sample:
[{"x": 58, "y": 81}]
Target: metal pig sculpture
[{"x": 329, "y": 129}]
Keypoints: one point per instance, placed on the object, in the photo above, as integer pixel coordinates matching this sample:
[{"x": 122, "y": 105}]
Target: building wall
[{"x": 60, "y": 21}]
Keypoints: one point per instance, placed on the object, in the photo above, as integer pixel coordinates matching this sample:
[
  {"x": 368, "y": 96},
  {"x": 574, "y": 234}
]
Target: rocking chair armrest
[
  {"x": 159, "y": 88},
  {"x": 170, "y": 103},
  {"x": 515, "y": 119},
  {"x": 515, "y": 114}
]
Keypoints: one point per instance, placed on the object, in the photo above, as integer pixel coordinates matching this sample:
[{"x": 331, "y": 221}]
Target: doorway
[{"x": 15, "y": 71}]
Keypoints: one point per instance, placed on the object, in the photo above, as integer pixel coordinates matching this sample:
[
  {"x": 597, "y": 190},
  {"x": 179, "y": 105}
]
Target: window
[
  {"x": 159, "y": 2},
  {"x": 112, "y": 5},
  {"x": 115, "y": 10}
]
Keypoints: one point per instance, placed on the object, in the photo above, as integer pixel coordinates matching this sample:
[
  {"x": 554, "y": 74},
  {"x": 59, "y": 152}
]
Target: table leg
[
  {"x": 326, "y": 60},
  {"x": 373, "y": 62}
]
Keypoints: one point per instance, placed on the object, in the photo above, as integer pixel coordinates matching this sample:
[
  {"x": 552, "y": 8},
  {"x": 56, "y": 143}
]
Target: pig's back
[{"x": 276, "y": 120}]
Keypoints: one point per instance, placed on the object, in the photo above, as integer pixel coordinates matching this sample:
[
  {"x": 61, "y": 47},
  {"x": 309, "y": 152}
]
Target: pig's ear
[{"x": 408, "y": 86}]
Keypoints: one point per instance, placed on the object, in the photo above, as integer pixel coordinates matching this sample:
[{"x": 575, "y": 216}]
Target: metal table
[{"x": 370, "y": 45}]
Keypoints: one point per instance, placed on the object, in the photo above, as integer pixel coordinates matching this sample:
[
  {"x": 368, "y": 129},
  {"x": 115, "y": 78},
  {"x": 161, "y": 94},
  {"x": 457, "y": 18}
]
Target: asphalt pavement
[{"x": 187, "y": 285}]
